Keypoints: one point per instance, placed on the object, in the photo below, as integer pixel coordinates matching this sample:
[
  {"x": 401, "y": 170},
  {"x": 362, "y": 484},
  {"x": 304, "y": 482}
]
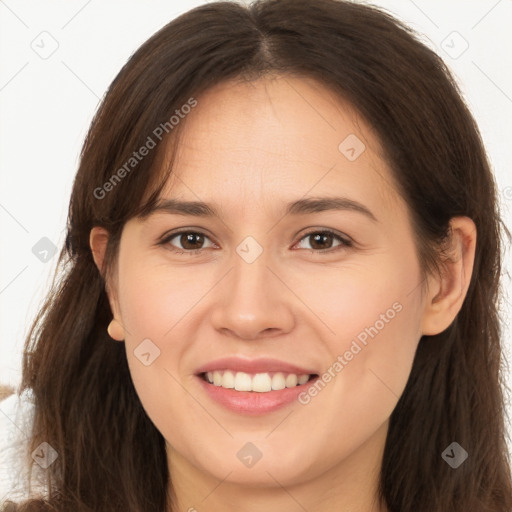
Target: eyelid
[
  {"x": 345, "y": 241},
  {"x": 320, "y": 229}
]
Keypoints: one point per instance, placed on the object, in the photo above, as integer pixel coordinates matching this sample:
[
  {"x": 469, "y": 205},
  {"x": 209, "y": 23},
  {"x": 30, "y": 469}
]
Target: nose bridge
[
  {"x": 250, "y": 275},
  {"x": 252, "y": 300}
]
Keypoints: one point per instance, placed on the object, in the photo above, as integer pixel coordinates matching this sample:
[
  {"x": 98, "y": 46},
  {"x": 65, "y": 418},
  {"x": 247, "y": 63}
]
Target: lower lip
[{"x": 252, "y": 402}]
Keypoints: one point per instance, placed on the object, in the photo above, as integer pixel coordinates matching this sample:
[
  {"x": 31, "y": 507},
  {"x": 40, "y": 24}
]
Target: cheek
[
  {"x": 380, "y": 355},
  {"x": 374, "y": 332},
  {"x": 361, "y": 301},
  {"x": 153, "y": 302},
  {"x": 154, "y": 298},
  {"x": 361, "y": 385}
]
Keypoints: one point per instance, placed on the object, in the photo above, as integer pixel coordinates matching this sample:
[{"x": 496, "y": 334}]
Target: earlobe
[
  {"x": 115, "y": 330},
  {"x": 448, "y": 291}
]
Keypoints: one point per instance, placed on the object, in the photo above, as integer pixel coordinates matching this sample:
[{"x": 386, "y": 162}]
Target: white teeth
[
  {"x": 259, "y": 382},
  {"x": 217, "y": 378},
  {"x": 228, "y": 380},
  {"x": 278, "y": 381},
  {"x": 243, "y": 382},
  {"x": 303, "y": 379},
  {"x": 291, "y": 380}
]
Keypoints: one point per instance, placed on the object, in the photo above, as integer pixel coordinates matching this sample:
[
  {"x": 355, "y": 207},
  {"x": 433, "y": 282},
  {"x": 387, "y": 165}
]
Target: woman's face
[{"x": 256, "y": 281}]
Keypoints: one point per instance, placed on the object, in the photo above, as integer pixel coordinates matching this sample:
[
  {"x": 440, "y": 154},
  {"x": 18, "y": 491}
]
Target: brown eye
[
  {"x": 187, "y": 241},
  {"x": 323, "y": 241},
  {"x": 191, "y": 240}
]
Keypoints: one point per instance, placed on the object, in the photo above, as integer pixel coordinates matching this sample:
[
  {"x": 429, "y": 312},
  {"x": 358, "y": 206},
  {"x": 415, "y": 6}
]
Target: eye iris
[
  {"x": 320, "y": 237},
  {"x": 187, "y": 238}
]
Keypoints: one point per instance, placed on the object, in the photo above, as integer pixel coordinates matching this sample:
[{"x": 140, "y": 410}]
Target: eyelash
[{"x": 345, "y": 242}]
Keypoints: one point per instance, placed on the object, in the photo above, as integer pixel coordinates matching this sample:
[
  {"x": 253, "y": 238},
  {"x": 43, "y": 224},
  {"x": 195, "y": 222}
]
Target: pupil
[
  {"x": 189, "y": 238},
  {"x": 320, "y": 236}
]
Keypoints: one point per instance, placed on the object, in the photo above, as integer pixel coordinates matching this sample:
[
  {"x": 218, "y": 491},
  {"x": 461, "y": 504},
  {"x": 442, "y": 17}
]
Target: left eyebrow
[
  {"x": 322, "y": 204},
  {"x": 299, "y": 207}
]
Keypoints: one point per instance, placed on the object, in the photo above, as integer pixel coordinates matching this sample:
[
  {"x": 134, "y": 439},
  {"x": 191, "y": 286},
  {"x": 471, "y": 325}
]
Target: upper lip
[{"x": 261, "y": 365}]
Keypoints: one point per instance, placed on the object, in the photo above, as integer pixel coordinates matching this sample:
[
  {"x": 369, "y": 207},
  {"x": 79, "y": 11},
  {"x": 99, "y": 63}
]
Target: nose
[{"x": 253, "y": 301}]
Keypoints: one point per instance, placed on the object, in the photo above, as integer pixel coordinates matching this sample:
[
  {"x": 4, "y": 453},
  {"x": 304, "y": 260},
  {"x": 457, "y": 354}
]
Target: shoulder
[{"x": 20, "y": 476}]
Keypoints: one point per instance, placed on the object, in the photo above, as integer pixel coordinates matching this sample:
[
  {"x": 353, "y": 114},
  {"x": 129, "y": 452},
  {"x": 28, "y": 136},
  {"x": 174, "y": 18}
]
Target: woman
[{"x": 281, "y": 279}]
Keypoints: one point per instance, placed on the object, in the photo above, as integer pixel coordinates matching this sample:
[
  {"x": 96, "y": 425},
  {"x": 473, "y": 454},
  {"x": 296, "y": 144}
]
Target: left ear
[{"x": 446, "y": 293}]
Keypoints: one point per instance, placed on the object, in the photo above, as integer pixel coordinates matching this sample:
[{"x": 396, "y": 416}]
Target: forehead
[{"x": 277, "y": 139}]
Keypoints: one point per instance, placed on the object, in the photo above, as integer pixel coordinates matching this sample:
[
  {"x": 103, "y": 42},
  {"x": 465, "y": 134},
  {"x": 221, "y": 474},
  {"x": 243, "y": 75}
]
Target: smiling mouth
[{"x": 256, "y": 382}]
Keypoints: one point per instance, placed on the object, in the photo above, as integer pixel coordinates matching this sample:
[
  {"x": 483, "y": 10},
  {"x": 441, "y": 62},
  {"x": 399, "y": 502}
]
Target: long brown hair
[{"x": 111, "y": 456}]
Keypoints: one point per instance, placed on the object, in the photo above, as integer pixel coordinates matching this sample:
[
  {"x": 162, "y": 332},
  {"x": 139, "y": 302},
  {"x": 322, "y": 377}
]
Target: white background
[{"x": 47, "y": 104}]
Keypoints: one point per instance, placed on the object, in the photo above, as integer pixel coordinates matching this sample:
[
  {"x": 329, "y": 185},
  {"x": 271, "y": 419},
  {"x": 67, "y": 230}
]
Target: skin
[{"x": 250, "y": 148}]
